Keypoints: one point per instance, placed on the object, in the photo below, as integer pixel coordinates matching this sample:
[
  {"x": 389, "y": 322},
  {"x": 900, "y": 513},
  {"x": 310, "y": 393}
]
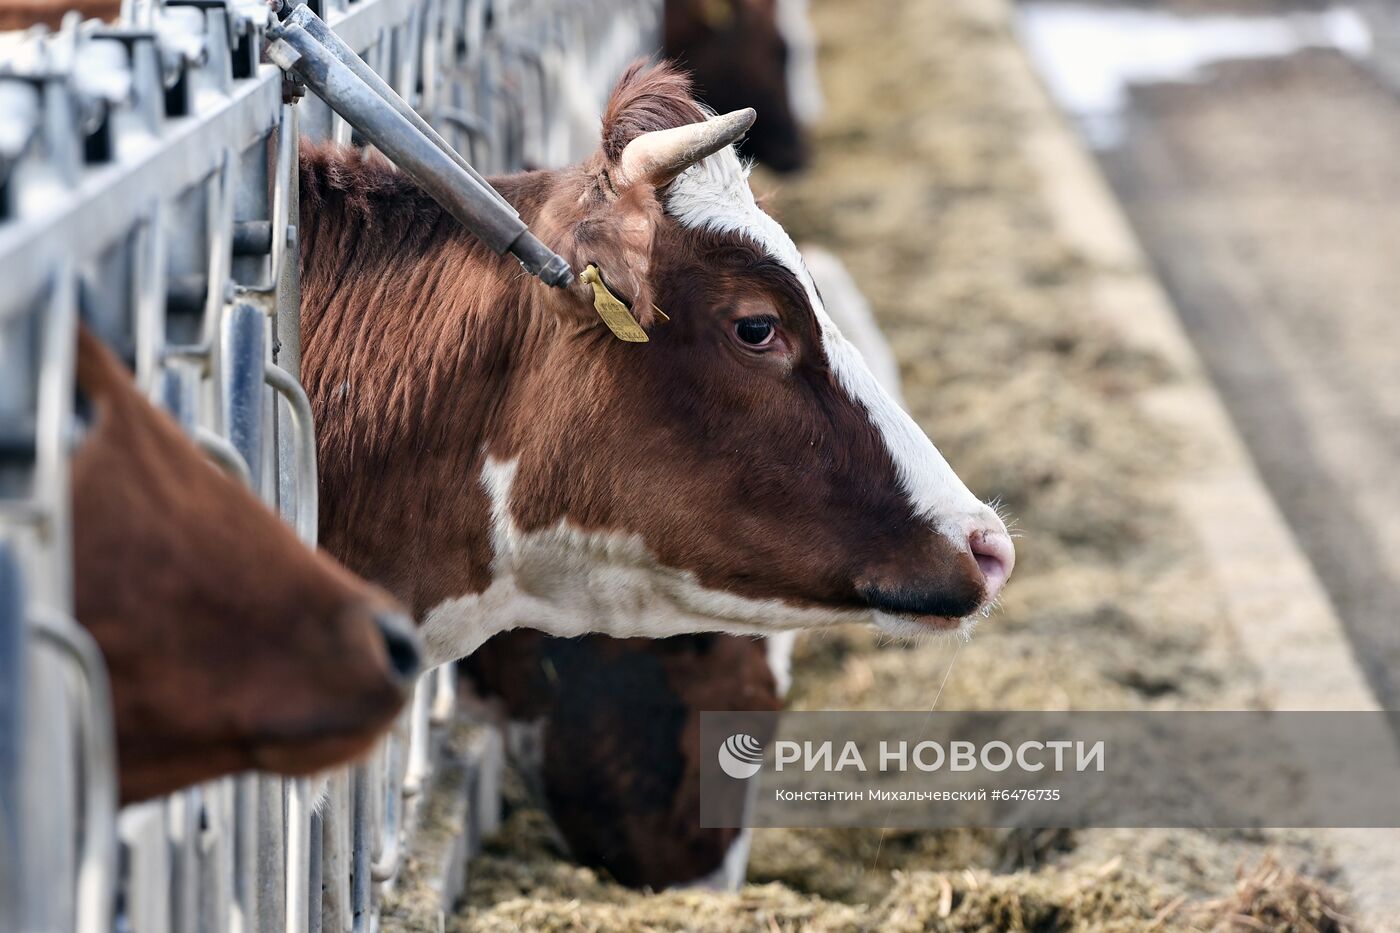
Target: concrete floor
[{"x": 1268, "y": 197}]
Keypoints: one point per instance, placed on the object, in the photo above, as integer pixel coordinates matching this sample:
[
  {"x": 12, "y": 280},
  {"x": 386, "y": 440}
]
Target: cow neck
[{"x": 411, "y": 331}]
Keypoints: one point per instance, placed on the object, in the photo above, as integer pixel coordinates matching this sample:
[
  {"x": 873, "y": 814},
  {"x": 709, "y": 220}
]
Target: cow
[
  {"x": 23, "y": 14},
  {"x": 230, "y": 645},
  {"x": 752, "y": 53},
  {"x": 605, "y": 730},
  {"x": 495, "y": 457}
]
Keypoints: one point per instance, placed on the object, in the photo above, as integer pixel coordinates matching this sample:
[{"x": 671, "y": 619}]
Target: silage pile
[
  {"x": 523, "y": 884},
  {"x": 922, "y": 187}
]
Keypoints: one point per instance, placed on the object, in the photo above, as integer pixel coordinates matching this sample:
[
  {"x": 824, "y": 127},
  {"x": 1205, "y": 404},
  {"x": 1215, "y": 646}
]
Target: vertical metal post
[
  {"x": 246, "y": 839},
  {"x": 361, "y": 829},
  {"x": 315, "y": 872},
  {"x": 337, "y": 914},
  {"x": 241, "y": 348},
  {"x": 297, "y": 832},
  {"x": 13, "y": 687},
  {"x": 272, "y": 860}
]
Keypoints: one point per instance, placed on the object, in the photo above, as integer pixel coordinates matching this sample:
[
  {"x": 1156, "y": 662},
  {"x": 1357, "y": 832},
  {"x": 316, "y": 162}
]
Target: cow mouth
[
  {"x": 936, "y": 605},
  {"x": 913, "y": 626}
]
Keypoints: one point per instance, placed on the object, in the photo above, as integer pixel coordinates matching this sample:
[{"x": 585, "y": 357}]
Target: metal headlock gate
[{"x": 148, "y": 185}]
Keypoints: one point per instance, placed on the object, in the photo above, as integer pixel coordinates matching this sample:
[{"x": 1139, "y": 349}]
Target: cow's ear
[
  {"x": 614, "y": 236},
  {"x": 652, "y": 131}
]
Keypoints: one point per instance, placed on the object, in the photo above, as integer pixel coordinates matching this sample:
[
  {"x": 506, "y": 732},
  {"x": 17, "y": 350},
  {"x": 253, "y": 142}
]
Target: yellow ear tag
[{"x": 613, "y": 312}]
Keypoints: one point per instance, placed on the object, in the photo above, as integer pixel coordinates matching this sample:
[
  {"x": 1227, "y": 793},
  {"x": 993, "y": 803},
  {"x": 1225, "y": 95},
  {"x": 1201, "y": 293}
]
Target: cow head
[
  {"x": 743, "y": 470},
  {"x": 616, "y": 725},
  {"x": 751, "y": 53},
  {"x": 230, "y": 644}
]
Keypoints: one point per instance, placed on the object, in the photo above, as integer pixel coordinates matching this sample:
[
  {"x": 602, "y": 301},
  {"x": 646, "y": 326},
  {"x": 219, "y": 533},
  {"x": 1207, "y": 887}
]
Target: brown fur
[
  {"x": 424, "y": 353},
  {"x": 21, "y": 14},
  {"x": 229, "y": 643}
]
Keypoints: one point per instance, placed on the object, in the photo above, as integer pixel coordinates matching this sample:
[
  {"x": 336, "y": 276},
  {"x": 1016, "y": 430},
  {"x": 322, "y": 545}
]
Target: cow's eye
[{"x": 755, "y": 331}]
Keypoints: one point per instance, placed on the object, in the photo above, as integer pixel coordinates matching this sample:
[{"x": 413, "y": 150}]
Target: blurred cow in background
[
  {"x": 230, "y": 644},
  {"x": 752, "y": 53},
  {"x": 605, "y": 730}
]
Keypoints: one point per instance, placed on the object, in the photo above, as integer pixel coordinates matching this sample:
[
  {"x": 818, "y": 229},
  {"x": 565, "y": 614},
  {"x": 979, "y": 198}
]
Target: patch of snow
[{"x": 1090, "y": 55}]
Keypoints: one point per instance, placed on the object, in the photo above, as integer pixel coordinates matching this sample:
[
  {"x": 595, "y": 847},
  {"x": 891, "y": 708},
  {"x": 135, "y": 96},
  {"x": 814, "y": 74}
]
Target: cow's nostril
[
  {"x": 995, "y": 557},
  {"x": 401, "y": 642}
]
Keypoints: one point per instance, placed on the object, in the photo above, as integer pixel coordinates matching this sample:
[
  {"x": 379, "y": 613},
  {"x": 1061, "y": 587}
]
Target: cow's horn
[{"x": 661, "y": 155}]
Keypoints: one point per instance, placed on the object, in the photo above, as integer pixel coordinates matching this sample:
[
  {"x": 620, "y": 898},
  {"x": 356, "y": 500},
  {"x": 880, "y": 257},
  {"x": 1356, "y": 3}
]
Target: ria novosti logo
[{"x": 741, "y": 756}]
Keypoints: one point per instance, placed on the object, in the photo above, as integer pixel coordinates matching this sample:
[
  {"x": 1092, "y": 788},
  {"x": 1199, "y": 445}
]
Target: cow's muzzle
[{"x": 947, "y": 590}]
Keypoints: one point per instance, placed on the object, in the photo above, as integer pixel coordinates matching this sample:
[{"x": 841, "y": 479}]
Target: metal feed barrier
[{"x": 148, "y": 185}]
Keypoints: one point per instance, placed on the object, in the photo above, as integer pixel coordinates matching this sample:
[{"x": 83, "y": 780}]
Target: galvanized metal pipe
[
  {"x": 13, "y": 686},
  {"x": 242, "y": 348},
  {"x": 297, "y": 51},
  {"x": 225, "y": 456},
  {"x": 360, "y": 889},
  {"x": 303, "y": 16},
  {"x": 98, "y": 852},
  {"x": 297, "y": 833},
  {"x": 304, "y": 428}
]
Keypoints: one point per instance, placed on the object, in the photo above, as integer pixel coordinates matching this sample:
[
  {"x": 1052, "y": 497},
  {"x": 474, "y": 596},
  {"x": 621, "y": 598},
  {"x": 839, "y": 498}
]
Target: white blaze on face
[
  {"x": 715, "y": 195},
  {"x": 851, "y": 314}
]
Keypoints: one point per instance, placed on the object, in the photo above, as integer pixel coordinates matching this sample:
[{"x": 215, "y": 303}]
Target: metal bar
[
  {"x": 361, "y": 921},
  {"x": 224, "y": 454},
  {"x": 297, "y": 833},
  {"x": 57, "y": 368},
  {"x": 272, "y": 860},
  {"x": 183, "y": 809},
  {"x": 303, "y": 17},
  {"x": 297, "y": 51},
  {"x": 336, "y": 860},
  {"x": 145, "y": 840},
  {"x": 98, "y": 851},
  {"x": 445, "y": 696},
  {"x": 13, "y": 684},
  {"x": 420, "y": 725},
  {"x": 304, "y": 426},
  {"x": 216, "y": 851},
  {"x": 478, "y": 134},
  {"x": 385, "y": 863},
  {"x": 252, "y": 238},
  {"x": 242, "y": 347},
  {"x": 98, "y": 212},
  {"x": 148, "y": 318},
  {"x": 273, "y": 237},
  {"x": 245, "y": 853},
  {"x": 315, "y": 872}
]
